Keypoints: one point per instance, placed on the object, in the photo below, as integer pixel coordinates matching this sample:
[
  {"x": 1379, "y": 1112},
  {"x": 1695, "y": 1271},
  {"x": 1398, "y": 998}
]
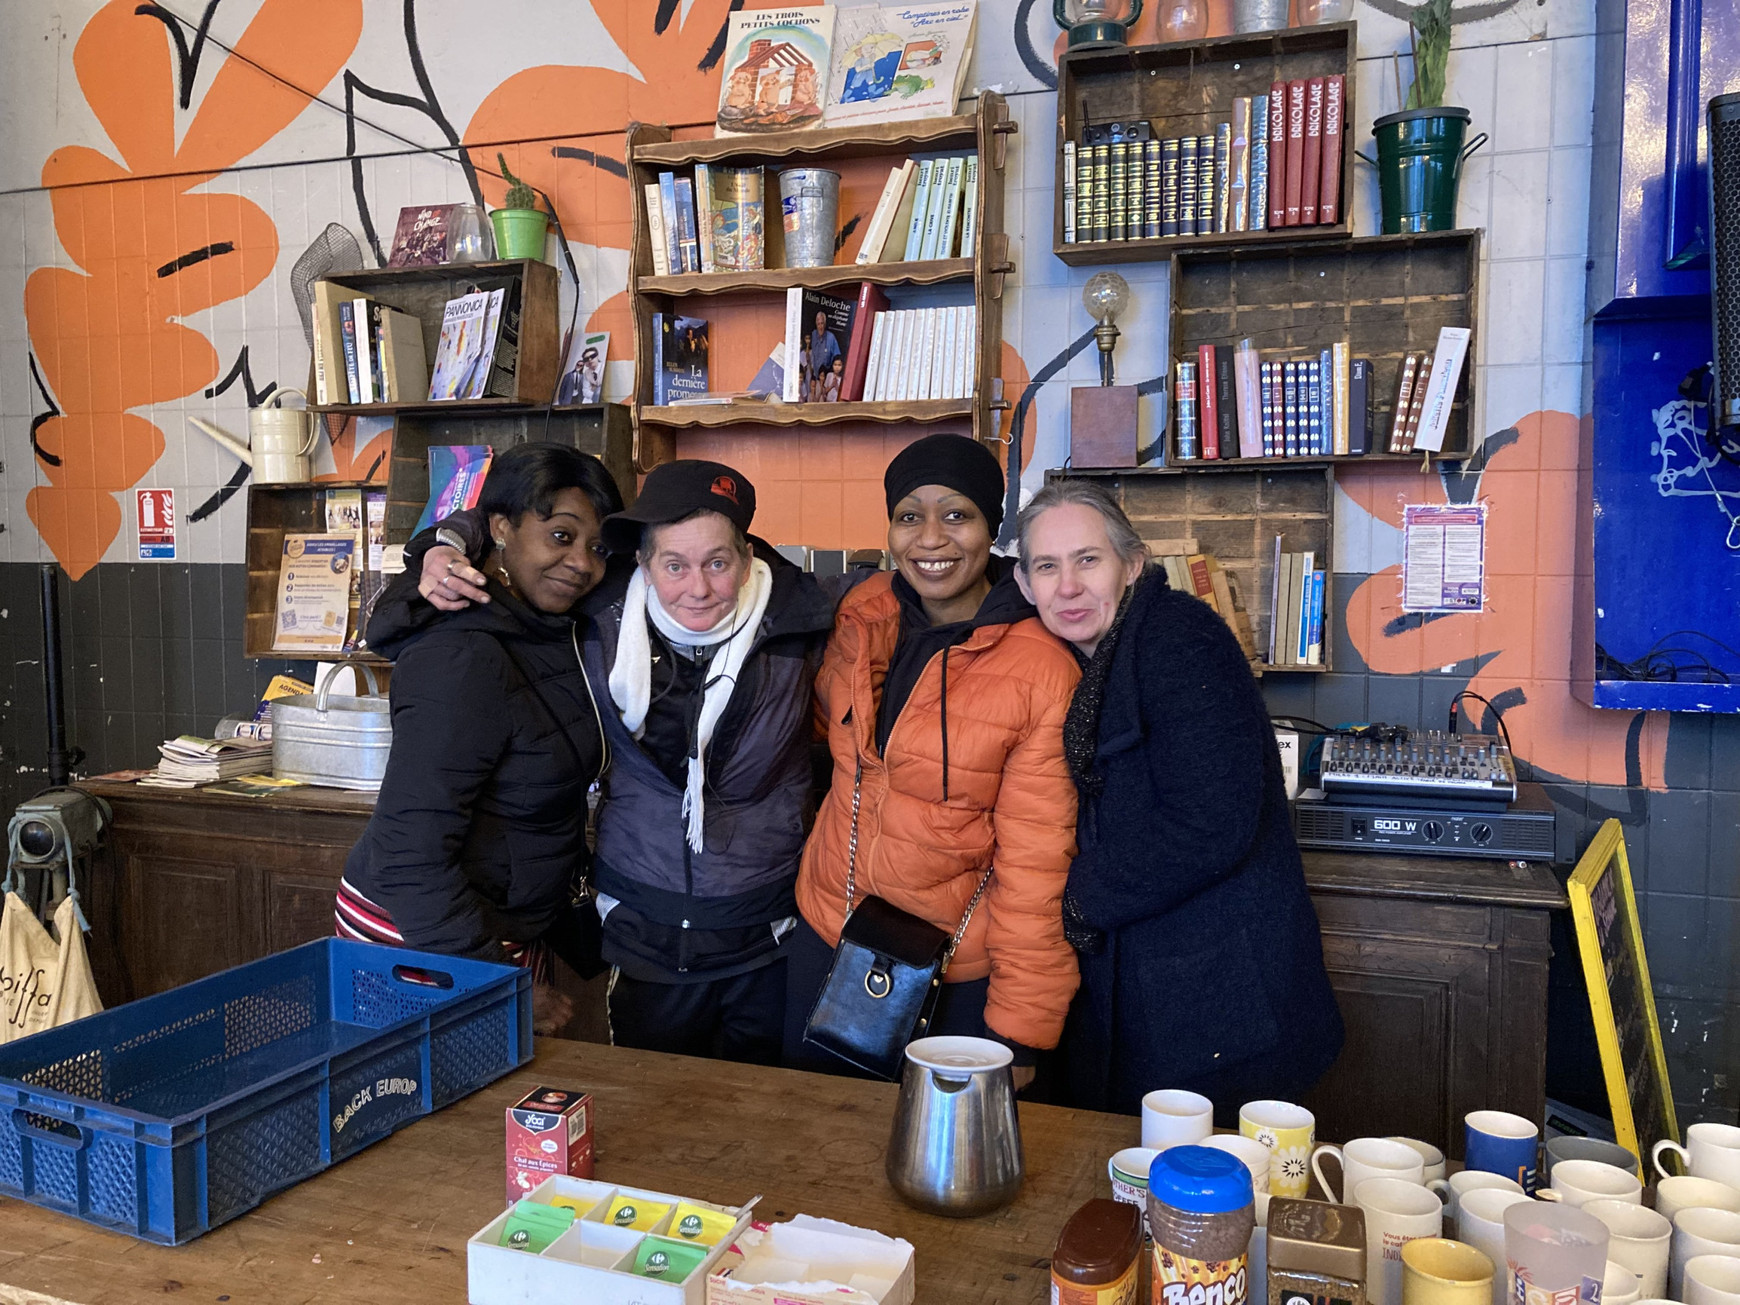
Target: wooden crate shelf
[
  {"x": 276, "y": 510},
  {"x": 1234, "y": 513},
  {"x": 1187, "y": 88},
  {"x": 650, "y": 150},
  {"x": 1387, "y": 296}
]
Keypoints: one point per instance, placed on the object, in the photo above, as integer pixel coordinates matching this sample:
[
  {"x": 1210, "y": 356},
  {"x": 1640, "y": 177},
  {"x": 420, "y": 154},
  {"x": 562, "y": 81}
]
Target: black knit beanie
[{"x": 962, "y": 464}]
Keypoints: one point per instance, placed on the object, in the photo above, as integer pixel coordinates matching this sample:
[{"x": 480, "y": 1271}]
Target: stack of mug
[{"x": 1584, "y": 1238}]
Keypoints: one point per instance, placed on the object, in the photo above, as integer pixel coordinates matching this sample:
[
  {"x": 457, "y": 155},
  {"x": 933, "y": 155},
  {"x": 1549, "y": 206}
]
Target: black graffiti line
[
  {"x": 436, "y": 114},
  {"x": 716, "y": 51},
  {"x": 187, "y": 59},
  {"x": 240, "y": 369},
  {"x": 1018, "y": 429},
  {"x": 197, "y": 256},
  {"x": 603, "y": 162},
  {"x": 225, "y": 493},
  {"x": 36, "y": 422},
  {"x": 1046, "y": 74}
]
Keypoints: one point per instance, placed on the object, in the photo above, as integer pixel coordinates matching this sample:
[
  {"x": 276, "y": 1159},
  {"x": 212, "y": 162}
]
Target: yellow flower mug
[{"x": 1290, "y": 1132}]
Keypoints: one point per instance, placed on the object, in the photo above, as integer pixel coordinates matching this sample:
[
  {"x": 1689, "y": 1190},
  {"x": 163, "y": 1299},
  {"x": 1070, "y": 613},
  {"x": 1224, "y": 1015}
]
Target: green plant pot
[
  {"x": 519, "y": 232},
  {"x": 1419, "y": 163}
]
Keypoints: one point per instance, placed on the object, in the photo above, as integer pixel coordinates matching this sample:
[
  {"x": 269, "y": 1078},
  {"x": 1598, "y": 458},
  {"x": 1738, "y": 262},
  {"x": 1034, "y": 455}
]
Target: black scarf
[{"x": 1081, "y": 726}]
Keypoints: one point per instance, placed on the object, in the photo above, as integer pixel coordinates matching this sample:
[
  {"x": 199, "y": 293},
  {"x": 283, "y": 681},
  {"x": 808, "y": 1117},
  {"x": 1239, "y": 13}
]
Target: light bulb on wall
[{"x": 1105, "y": 296}]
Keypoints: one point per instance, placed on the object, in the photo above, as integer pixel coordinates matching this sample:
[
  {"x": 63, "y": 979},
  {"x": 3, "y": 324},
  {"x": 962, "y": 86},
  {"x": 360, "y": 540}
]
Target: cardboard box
[
  {"x": 815, "y": 1262},
  {"x": 590, "y": 1262},
  {"x": 549, "y": 1131}
]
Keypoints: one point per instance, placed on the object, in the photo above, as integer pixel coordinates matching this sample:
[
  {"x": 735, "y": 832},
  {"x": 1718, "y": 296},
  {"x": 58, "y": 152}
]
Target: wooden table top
[{"x": 389, "y": 1226}]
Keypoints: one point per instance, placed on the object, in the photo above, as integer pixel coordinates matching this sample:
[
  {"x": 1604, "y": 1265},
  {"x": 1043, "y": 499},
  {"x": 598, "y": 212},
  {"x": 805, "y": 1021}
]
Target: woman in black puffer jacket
[{"x": 477, "y": 845}]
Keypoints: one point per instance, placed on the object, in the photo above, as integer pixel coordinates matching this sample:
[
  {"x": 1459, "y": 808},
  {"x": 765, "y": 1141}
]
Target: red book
[
  {"x": 1277, "y": 154},
  {"x": 1208, "y": 423},
  {"x": 1329, "y": 196},
  {"x": 871, "y": 300},
  {"x": 1313, "y": 167},
  {"x": 1295, "y": 149}
]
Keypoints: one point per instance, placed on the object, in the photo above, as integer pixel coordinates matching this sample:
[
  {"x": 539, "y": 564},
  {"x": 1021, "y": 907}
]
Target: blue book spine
[
  {"x": 1316, "y": 639},
  {"x": 668, "y": 202},
  {"x": 347, "y": 326},
  {"x": 658, "y": 368},
  {"x": 1326, "y": 401},
  {"x": 1303, "y": 645}
]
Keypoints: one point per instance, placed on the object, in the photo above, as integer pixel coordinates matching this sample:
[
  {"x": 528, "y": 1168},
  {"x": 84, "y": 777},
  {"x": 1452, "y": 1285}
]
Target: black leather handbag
[{"x": 882, "y": 988}]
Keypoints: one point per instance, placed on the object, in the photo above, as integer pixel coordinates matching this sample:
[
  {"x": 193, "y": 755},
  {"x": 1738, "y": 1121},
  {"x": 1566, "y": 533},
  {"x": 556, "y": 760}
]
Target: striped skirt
[{"x": 356, "y": 917}]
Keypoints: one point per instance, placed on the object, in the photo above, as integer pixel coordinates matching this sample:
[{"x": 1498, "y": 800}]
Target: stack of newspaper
[{"x": 189, "y": 760}]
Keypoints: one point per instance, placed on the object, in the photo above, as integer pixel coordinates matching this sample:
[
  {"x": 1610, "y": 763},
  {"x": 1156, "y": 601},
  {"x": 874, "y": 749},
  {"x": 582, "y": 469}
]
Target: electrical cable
[{"x": 1497, "y": 716}]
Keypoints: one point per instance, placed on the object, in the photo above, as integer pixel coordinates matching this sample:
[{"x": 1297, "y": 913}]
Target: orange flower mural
[
  {"x": 1521, "y": 642},
  {"x": 150, "y": 248}
]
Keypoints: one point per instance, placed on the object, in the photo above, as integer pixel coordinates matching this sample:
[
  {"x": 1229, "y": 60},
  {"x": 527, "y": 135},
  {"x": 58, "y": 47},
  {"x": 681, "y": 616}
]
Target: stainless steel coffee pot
[{"x": 956, "y": 1147}]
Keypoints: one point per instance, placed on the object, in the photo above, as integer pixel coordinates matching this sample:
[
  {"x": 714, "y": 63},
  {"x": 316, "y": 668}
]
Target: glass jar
[{"x": 1183, "y": 20}]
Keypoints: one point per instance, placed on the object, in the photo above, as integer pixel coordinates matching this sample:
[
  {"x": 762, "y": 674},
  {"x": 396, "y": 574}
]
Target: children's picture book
[
  {"x": 463, "y": 323},
  {"x": 421, "y": 237},
  {"x": 313, "y": 611},
  {"x": 893, "y": 62},
  {"x": 456, "y": 474},
  {"x": 680, "y": 350},
  {"x": 775, "y": 70},
  {"x": 583, "y": 378}
]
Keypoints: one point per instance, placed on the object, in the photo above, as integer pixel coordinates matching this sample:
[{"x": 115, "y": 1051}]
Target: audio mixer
[{"x": 1419, "y": 768}]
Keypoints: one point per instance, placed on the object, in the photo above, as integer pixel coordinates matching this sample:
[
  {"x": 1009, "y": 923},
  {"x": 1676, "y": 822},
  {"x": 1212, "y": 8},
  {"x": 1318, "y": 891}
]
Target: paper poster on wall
[
  {"x": 1443, "y": 557},
  {"x": 155, "y": 513}
]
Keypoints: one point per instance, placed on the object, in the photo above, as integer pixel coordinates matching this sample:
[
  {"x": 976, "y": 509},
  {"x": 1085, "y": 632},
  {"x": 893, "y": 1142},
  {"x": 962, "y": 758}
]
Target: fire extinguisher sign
[{"x": 156, "y": 524}]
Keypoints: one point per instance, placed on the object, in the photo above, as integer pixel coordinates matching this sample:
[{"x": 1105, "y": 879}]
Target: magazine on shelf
[{"x": 463, "y": 322}]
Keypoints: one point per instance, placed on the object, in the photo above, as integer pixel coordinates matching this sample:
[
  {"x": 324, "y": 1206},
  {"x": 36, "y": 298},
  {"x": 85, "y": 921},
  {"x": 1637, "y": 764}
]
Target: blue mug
[{"x": 1501, "y": 1143}]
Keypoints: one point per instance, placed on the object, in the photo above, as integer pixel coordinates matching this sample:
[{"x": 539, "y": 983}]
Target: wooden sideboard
[{"x": 1440, "y": 966}]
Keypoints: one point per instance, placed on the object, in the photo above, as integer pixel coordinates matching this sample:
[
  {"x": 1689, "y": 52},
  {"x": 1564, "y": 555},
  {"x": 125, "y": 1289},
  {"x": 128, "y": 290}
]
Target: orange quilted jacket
[{"x": 1010, "y": 803}]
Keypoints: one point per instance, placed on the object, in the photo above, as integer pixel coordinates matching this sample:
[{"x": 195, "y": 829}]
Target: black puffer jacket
[{"x": 480, "y": 828}]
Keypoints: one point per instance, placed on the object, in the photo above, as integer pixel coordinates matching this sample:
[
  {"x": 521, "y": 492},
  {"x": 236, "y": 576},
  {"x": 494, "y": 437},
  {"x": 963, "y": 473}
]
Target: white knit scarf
[{"x": 631, "y": 674}]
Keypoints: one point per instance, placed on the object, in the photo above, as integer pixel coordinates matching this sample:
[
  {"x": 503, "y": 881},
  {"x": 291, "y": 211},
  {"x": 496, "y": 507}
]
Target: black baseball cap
[{"x": 675, "y": 490}]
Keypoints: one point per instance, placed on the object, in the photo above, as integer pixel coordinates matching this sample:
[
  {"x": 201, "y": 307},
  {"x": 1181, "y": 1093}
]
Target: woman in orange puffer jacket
[{"x": 943, "y": 699}]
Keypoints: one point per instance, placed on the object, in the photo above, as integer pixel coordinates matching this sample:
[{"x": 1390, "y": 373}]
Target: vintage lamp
[
  {"x": 1102, "y": 418},
  {"x": 49, "y": 840},
  {"x": 1096, "y": 24}
]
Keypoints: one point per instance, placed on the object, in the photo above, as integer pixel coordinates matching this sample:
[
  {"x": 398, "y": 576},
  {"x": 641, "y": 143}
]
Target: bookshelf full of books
[
  {"x": 1237, "y": 138},
  {"x": 900, "y": 329}
]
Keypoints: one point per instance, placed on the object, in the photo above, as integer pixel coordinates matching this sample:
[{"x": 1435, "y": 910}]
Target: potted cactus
[{"x": 519, "y": 222}]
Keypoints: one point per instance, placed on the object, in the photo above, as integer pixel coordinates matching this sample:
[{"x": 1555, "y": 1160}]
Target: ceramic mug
[
  {"x": 1368, "y": 1157},
  {"x": 1618, "y": 1285},
  {"x": 1464, "y": 1181},
  {"x": 1713, "y": 1280},
  {"x": 1590, "y": 1148},
  {"x": 1675, "y": 1194},
  {"x": 1639, "y": 1240},
  {"x": 1700, "y": 1230},
  {"x": 1501, "y": 1143},
  {"x": 1128, "y": 1170},
  {"x": 1578, "y": 1182},
  {"x": 1174, "y": 1117},
  {"x": 1396, "y": 1212},
  {"x": 1480, "y": 1223},
  {"x": 1288, "y": 1131},
  {"x": 1430, "y": 1156},
  {"x": 1437, "y": 1271},
  {"x": 1252, "y": 1152},
  {"x": 1711, "y": 1151}
]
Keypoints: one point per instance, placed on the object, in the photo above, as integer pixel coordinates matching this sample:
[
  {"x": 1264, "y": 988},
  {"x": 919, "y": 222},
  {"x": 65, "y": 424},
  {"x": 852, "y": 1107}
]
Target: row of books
[
  {"x": 1276, "y": 163},
  {"x": 368, "y": 352},
  {"x": 1235, "y": 403},
  {"x": 929, "y": 208},
  {"x": 713, "y": 222},
  {"x": 922, "y": 353},
  {"x": 1296, "y": 629},
  {"x": 1193, "y": 572}
]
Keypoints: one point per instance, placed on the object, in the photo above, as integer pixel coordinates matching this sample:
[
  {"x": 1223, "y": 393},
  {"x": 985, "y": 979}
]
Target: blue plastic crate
[{"x": 168, "y": 1116}]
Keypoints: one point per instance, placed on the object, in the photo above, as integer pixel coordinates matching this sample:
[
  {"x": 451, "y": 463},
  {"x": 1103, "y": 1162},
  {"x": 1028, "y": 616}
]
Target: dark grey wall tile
[
  {"x": 1724, "y": 878},
  {"x": 1340, "y": 698},
  {"x": 1290, "y": 695},
  {"x": 1394, "y": 700},
  {"x": 1724, "y": 753},
  {"x": 1688, "y": 751},
  {"x": 179, "y": 620},
  {"x": 145, "y": 600},
  {"x": 1673, "y": 939},
  {"x": 1679, "y": 842}
]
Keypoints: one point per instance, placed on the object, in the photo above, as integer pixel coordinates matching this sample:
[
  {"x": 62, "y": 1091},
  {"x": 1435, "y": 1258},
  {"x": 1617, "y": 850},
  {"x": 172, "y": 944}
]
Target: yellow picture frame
[{"x": 1602, "y": 881}]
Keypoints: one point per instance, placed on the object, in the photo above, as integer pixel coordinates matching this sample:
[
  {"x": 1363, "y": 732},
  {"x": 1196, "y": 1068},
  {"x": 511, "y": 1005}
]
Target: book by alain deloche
[
  {"x": 895, "y": 62},
  {"x": 776, "y": 70}
]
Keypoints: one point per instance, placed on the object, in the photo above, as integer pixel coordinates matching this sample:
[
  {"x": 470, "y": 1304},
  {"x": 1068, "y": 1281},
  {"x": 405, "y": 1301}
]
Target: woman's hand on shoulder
[{"x": 449, "y": 582}]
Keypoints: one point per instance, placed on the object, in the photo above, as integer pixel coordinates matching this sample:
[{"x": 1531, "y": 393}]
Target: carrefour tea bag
[{"x": 637, "y": 1212}]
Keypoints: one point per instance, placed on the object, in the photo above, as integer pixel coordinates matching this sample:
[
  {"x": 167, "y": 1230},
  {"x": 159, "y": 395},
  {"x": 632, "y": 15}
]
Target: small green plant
[
  {"x": 520, "y": 195},
  {"x": 1429, "y": 35}
]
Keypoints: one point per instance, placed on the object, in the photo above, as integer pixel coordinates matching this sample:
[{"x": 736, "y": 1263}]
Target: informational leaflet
[
  {"x": 314, "y": 593},
  {"x": 1443, "y": 557}
]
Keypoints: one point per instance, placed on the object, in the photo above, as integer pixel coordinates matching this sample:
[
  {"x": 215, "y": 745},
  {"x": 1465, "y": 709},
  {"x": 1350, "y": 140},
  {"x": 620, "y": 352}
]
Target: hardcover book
[
  {"x": 1295, "y": 151},
  {"x": 1208, "y": 369},
  {"x": 775, "y": 70},
  {"x": 1187, "y": 165},
  {"x": 1334, "y": 113},
  {"x": 1239, "y": 167},
  {"x": 818, "y": 336},
  {"x": 1311, "y": 170},
  {"x": 1169, "y": 187},
  {"x": 1259, "y": 183},
  {"x": 1277, "y": 182}
]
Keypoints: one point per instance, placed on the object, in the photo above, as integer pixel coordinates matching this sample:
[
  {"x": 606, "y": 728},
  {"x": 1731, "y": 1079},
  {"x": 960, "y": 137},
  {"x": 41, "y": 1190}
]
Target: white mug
[
  {"x": 1368, "y": 1157},
  {"x": 1396, "y": 1212},
  {"x": 1675, "y": 1194},
  {"x": 1128, "y": 1170},
  {"x": 1480, "y": 1223},
  {"x": 1618, "y": 1285},
  {"x": 1711, "y": 1151},
  {"x": 1464, "y": 1181},
  {"x": 1713, "y": 1280},
  {"x": 1578, "y": 1182},
  {"x": 1252, "y": 1152},
  {"x": 1174, "y": 1117},
  {"x": 1430, "y": 1156},
  {"x": 1700, "y": 1230},
  {"x": 1637, "y": 1238}
]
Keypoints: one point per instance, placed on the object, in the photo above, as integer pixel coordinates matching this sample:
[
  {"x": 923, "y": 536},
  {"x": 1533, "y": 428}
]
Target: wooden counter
[
  {"x": 389, "y": 1226},
  {"x": 1440, "y": 965}
]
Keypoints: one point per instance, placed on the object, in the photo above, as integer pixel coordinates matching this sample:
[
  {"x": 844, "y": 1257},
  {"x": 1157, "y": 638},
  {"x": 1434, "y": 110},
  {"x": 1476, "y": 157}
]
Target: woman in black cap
[
  {"x": 708, "y": 642},
  {"x": 944, "y": 699}
]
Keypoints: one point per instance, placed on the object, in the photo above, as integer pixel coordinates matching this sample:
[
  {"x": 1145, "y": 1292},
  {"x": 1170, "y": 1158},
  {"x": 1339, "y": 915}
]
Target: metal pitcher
[{"x": 956, "y": 1147}]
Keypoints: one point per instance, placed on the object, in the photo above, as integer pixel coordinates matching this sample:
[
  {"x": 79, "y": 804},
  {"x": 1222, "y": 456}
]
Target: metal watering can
[
  {"x": 280, "y": 440},
  {"x": 956, "y": 1146}
]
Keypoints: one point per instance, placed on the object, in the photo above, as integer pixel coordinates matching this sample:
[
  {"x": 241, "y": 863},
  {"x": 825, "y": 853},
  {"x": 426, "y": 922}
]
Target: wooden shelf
[
  {"x": 935, "y": 271},
  {"x": 918, "y": 412},
  {"x": 870, "y": 140},
  {"x": 1194, "y": 465},
  {"x": 426, "y": 408},
  {"x": 1187, "y": 88}
]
